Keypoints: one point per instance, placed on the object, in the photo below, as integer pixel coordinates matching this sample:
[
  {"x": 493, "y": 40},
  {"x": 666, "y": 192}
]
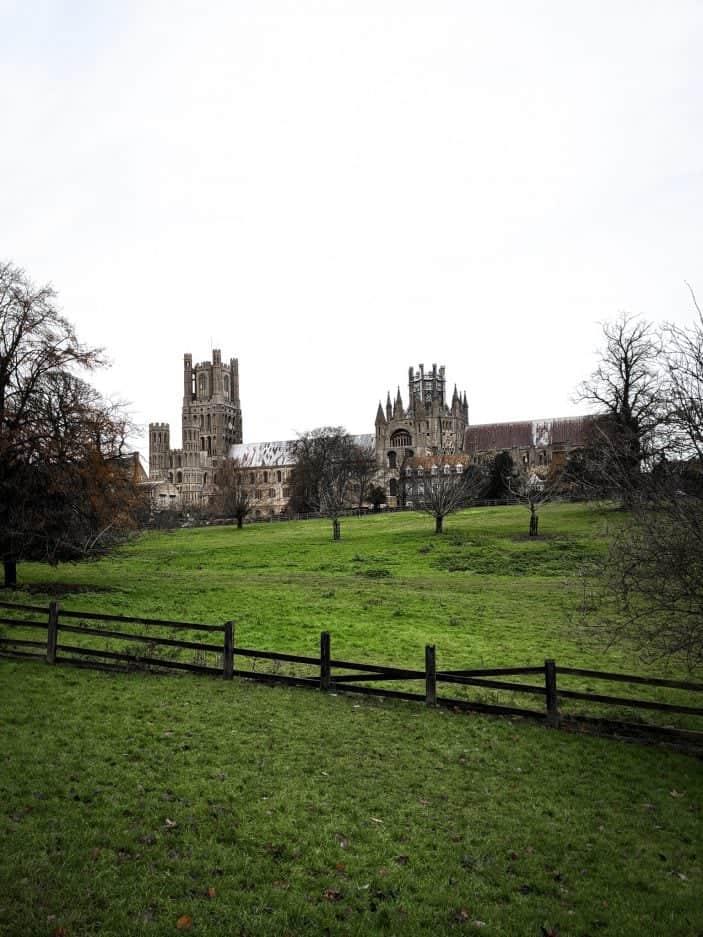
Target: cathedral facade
[
  {"x": 428, "y": 426},
  {"x": 428, "y": 434}
]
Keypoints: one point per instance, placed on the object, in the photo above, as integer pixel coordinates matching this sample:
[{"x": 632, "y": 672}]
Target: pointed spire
[
  {"x": 455, "y": 395},
  {"x": 398, "y": 407},
  {"x": 380, "y": 418},
  {"x": 389, "y": 409}
]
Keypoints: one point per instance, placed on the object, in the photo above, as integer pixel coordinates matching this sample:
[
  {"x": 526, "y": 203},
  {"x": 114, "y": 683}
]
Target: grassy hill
[
  {"x": 131, "y": 803},
  {"x": 483, "y": 592}
]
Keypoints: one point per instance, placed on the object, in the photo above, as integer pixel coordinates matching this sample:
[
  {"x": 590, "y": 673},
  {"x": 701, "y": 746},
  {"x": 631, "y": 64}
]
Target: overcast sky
[{"x": 333, "y": 191}]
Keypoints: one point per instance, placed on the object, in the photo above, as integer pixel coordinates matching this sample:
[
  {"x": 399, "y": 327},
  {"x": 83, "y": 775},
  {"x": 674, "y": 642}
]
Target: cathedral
[
  {"x": 211, "y": 423},
  {"x": 427, "y": 427},
  {"x": 411, "y": 439}
]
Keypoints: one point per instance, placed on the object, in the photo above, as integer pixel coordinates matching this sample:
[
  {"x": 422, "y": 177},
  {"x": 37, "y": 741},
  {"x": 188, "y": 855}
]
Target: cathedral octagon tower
[{"x": 429, "y": 426}]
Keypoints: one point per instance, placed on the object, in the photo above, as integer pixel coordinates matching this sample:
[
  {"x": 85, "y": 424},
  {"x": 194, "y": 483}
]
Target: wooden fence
[{"x": 323, "y": 671}]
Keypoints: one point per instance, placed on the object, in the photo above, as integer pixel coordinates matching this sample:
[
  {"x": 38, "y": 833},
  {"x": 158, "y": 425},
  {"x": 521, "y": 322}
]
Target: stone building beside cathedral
[{"x": 428, "y": 435}]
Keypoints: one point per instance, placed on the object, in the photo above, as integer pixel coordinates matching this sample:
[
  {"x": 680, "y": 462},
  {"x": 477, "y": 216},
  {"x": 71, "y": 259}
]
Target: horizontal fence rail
[{"x": 325, "y": 672}]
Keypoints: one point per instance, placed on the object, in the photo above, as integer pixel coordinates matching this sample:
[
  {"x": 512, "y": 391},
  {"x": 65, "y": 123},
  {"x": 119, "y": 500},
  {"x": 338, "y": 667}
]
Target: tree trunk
[
  {"x": 533, "y": 522},
  {"x": 438, "y": 523},
  {"x": 10, "y": 567},
  {"x": 240, "y": 522},
  {"x": 336, "y": 535}
]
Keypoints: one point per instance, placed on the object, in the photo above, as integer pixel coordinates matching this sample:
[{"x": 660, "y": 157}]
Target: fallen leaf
[
  {"x": 185, "y": 922},
  {"x": 332, "y": 894},
  {"x": 170, "y": 824},
  {"x": 676, "y": 793},
  {"x": 95, "y": 854},
  {"x": 342, "y": 840},
  {"x": 401, "y": 860},
  {"x": 383, "y": 872},
  {"x": 281, "y": 885},
  {"x": 462, "y": 915},
  {"x": 375, "y": 820},
  {"x": 341, "y": 866},
  {"x": 424, "y": 802},
  {"x": 211, "y": 892}
]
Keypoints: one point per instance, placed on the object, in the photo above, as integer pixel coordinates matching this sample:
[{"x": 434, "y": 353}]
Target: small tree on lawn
[
  {"x": 533, "y": 492},
  {"x": 445, "y": 492},
  {"x": 233, "y": 497},
  {"x": 322, "y": 479}
]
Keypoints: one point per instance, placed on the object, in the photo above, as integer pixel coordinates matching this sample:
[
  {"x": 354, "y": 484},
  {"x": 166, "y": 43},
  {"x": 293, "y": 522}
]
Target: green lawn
[
  {"x": 129, "y": 802},
  {"x": 482, "y": 593}
]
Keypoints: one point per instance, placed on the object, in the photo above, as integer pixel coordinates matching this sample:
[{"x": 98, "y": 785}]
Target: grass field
[
  {"x": 483, "y": 593},
  {"x": 130, "y": 803}
]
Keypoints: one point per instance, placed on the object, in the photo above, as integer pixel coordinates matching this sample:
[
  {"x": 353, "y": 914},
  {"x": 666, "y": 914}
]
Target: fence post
[
  {"x": 550, "y": 684},
  {"x": 430, "y": 675},
  {"x": 325, "y": 658},
  {"x": 228, "y": 655},
  {"x": 52, "y": 633}
]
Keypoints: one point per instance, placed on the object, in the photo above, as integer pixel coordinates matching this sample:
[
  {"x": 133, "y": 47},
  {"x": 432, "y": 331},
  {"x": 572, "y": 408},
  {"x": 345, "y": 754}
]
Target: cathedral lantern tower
[{"x": 427, "y": 427}]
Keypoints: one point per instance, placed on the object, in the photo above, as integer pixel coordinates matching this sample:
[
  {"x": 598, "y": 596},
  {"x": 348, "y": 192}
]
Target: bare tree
[
  {"x": 233, "y": 497},
  {"x": 627, "y": 388},
  {"x": 684, "y": 368},
  {"x": 323, "y": 474},
  {"x": 648, "y": 587},
  {"x": 647, "y": 590},
  {"x": 66, "y": 486},
  {"x": 362, "y": 471},
  {"x": 533, "y": 492},
  {"x": 443, "y": 492}
]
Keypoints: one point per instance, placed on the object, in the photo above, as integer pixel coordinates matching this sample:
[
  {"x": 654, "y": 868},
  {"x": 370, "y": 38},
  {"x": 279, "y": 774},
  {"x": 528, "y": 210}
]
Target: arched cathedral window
[{"x": 401, "y": 437}]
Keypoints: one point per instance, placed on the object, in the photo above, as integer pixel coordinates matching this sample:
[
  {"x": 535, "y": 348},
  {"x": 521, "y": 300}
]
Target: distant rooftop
[
  {"x": 559, "y": 431},
  {"x": 278, "y": 453}
]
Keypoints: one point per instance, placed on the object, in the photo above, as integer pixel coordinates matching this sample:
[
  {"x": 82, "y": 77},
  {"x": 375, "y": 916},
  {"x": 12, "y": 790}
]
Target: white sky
[{"x": 333, "y": 191}]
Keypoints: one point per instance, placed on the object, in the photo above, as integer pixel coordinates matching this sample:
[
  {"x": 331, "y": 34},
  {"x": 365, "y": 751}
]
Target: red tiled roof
[{"x": 570, "y": 430}]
